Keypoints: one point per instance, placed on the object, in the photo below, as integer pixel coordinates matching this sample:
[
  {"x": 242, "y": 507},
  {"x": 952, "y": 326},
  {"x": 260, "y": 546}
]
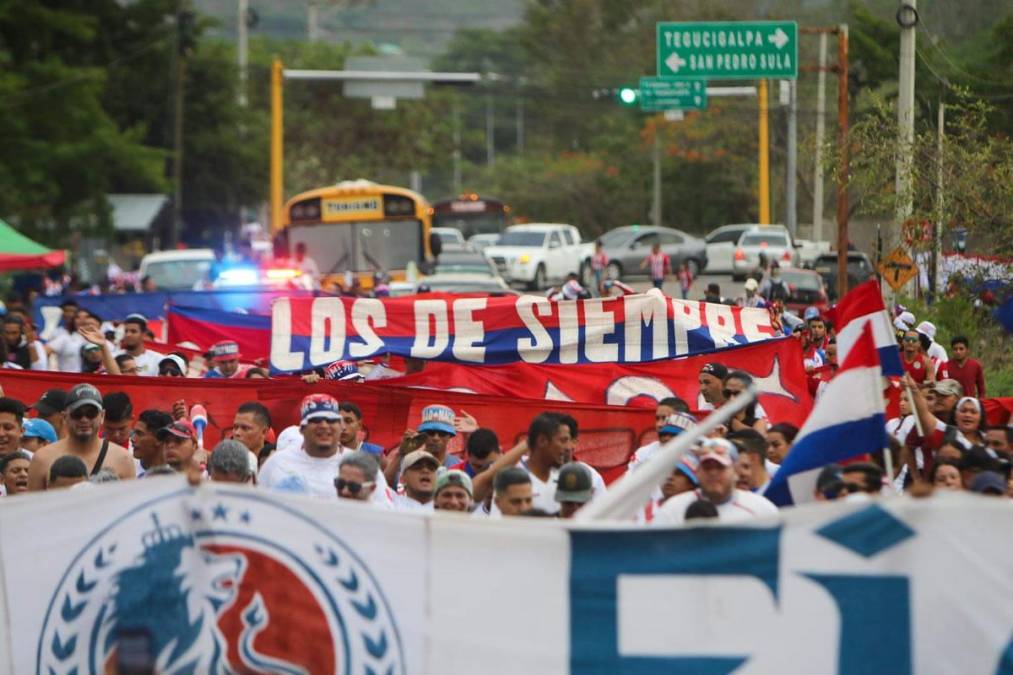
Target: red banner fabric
[
  {"x": 776, "y": 367},
  {"x": 608, "y": 434}
]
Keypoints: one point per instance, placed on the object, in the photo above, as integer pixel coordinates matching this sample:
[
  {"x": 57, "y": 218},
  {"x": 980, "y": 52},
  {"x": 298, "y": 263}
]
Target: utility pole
[
  {"x": 821, "y": 111},
  {"x": 242, "y": 39},
  {"x": 457, "y": 146},
  {"x": 937, "y": 240},
  {"x": 844, "y": 166},
  {"x": 656, "y": 155},
  {"x": 490, "y": 131},
  {"x": 276, "y": 144},
  {"x": 791, "y": 190},
  {"x": 184, "y": 44},
  {"x": 907, "y": 17},
  {"x": 313, "y": 20},
  {"x": 764, "y": 169}
]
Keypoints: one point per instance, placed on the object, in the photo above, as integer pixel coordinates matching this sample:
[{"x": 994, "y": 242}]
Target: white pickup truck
[{"x": 536, "y": 254}]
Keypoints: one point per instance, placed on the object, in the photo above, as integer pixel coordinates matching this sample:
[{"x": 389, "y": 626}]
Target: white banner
[{"x": 226, "y": 579}]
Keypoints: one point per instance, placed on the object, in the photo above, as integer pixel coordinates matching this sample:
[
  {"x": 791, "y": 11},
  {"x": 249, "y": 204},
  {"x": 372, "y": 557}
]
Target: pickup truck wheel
[
  {"x": 538, "y": 283},
  {"x": 586, "y": 277},
  {"x": 614, "y": 270}
]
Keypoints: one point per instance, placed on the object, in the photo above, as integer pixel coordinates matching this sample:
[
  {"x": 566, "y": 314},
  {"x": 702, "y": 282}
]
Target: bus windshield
[
  {"x": 380, "y": 245},
  {"x": 472, "y": 224}
]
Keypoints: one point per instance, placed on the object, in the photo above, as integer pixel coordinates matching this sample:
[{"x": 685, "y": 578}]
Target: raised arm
[{"x": 482, "y": 483}]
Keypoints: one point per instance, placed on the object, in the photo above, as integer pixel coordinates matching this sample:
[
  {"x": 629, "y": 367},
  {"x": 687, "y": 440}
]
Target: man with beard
[
  {"x": 418, "y": 475},
  {"x": 134, "y": 328},
  {"x": 311, "y": 468},
  {"x": 83, "y": 418},
  {"x": 179, "y": 442}
]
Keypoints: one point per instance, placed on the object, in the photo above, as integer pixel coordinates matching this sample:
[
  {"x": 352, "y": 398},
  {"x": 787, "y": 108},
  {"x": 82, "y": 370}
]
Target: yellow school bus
[{"x": 357, "y": 228}]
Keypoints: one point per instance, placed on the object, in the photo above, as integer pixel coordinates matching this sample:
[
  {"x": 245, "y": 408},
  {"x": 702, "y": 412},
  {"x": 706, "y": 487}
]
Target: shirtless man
[{"x": 83, "y": 418}]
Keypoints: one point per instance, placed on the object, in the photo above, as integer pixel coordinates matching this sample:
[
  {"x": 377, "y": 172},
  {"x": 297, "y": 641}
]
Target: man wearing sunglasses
[
  {"x": 717, "y": 485},
  {"x": 83, "y": 417},
  {"x": 356, "y": 479},
  {"x": 432, "y": 435}
]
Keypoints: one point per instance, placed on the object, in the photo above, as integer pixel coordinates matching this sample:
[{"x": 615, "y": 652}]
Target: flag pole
[{"x": 632, "y": 490}]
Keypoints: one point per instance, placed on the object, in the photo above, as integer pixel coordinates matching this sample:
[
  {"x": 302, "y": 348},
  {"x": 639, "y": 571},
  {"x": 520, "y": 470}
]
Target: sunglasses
[
  {"x": 91, "y": 412},
  {"x": 436, "y": 432},
  {"x": 352, "y": 486}
]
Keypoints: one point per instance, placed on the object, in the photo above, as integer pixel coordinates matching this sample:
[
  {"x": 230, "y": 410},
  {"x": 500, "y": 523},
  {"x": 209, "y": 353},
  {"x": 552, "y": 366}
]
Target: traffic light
[{"x": 628, "y": 95}]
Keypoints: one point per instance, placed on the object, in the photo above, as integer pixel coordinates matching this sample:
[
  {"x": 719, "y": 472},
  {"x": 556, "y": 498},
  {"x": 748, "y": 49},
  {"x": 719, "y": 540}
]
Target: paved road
[{"x": 729, "y": 288}]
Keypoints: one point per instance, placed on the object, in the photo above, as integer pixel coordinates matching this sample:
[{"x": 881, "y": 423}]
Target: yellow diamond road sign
[{"x": 898, "y": 268}]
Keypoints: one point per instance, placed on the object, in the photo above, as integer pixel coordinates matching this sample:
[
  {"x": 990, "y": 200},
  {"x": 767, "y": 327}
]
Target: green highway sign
[
  {"x": 728, "y": 50},
  {"x": 672, "y": 93}
]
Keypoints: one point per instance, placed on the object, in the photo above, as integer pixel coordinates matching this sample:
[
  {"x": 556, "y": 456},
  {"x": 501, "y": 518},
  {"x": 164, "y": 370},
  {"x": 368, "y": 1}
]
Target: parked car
[
  {"x": 464, "y": 262},
  {"x": 627, "y": 247},
  {"x": 720, "y": 247},
  {"x": 860, "y": 269},
  {"x": 178, "y": 270},
  {"x": 454, "y": 283},
  {"x": 450, "y": 237},
  {"x": 773, "y": 241},
  {"x": 538, "y": 253},
  {"x": 805, "y": 289},
  {"x": 480, "y": 241}
]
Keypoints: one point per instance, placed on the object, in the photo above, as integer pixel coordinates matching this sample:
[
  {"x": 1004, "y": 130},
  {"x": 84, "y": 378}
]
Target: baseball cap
[
  {"x": 573, "y": 483},
  {"x": 176, "y": 359},
  {"x": 751, "y": 284},
  {"x": 90, "y": 347},
  {"x": 137, "y": 317},
  {"x": 438, "y": 418},
  {"x": 453, "y": 477},
  {"x": 51, "y": 402},
  {"x": 179, "y": 429},
  {"x": 688, "y": 466},
  {"x": 225, "y": 351},
  {"x": 319, "y": 406},
  {"x": 36, "y": 428},
  {"x": 81, "y": 395},
  {"x": 716, "y": 369},
  {"x": 342, "y": 370},
  {"x": 811, "y": 313},
  {"x": 948, "y": 387},
  {"x": 414, "y": 458},
  {"x": 718, "y": 450},
  {"x": 676, "y": 423},
  {"x": 904, "y": 320},
  {"x": 988, "y": 483}
]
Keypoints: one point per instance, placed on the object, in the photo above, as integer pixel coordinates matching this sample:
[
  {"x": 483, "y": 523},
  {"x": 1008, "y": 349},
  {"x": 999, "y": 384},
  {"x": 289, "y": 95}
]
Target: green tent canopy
[{"x": 18, "y": 252}]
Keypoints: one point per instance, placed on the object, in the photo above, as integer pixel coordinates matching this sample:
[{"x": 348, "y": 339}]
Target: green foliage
[{"x": 988, "y": 342}]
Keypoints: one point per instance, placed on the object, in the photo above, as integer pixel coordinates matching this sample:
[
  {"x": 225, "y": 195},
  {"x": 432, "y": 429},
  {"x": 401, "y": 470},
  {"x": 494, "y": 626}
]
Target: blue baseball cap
[
  {"x": 36, "y": 428},
  {"x": 812, "y": 313},
  {"x": 438, "y": 418},
  {"x": 688, "y": 466},
  {"x": 319, "y": 406},
  {"x": 677, "y": 423}
]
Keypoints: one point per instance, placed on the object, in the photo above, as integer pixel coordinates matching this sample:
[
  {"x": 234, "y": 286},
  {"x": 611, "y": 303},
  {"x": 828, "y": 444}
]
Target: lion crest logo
[{"x": 205, "y": 594}]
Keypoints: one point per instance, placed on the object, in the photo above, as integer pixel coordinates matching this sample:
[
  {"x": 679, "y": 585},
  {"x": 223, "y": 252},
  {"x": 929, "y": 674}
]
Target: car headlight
[{"x": 524, "y": 259}]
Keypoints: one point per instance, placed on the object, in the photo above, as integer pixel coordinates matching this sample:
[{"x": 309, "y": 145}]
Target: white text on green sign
[
  {"x": 667, "y": 93},
  {"x": 728, "y": 50}
]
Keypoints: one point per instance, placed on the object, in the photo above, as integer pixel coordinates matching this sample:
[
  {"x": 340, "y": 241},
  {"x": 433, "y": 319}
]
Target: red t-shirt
[
  {"x": 970, "y": 375},
  {"x": 918, "y": 369}
]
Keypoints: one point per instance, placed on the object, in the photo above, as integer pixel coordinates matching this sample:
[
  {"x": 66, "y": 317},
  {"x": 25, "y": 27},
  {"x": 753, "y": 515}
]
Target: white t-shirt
[
  {"x": 703, "y": 405},
  {"x": 147, "y": 362},
  {"x": 642, "y": 454},
  {"x": 67, "y": 347},
  {"x": 406, "y": 503},
  {"x": 937, "y": 352},
  {"x": 742, "y": 506},
  {"x": 41, "y": 362},
  {"x": 292, "y": 470}
]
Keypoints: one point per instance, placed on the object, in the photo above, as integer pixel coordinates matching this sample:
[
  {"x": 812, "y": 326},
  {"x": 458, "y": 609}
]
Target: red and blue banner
[
  {"x": 313, "y": 332},
  {"x": 776, "y": 367},
  {"x": 204, "y": 327}
]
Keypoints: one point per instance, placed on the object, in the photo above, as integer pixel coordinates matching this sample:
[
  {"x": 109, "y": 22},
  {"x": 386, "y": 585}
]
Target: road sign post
[
  {"x": 729, "y": 50},
  {"x": 658, "y": 94}
]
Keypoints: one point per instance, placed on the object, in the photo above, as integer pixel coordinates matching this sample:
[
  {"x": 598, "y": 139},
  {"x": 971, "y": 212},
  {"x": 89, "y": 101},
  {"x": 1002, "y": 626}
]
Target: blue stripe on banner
[
  {"x": 224, "y": 319},
  {"x": 599, "y": 557},
  {"x": 889, "y": 360},
  {"x": 826, "y": 446}
]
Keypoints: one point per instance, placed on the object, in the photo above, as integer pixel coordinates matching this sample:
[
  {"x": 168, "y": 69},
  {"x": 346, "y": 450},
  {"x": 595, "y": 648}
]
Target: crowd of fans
[{"x": 939, "y": 437}]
